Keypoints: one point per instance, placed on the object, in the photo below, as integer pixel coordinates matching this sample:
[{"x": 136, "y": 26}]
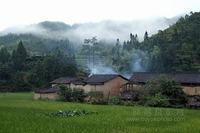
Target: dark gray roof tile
[
  {"x": 187, "y": 77},
  {"x": 98, "y": 79}
]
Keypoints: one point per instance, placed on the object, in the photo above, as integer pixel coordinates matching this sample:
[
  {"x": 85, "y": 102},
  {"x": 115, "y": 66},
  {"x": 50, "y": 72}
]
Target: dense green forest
[
  {"x": 34, "y": 44},
  {"x": 21, "y": 72},
  {"x": 176, "y": 48},
  {"x": 34, "y": 61}
]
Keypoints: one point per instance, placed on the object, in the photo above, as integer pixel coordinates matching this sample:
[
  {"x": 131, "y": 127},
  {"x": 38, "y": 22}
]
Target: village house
[
  {"x": 66, "y": 81},
  {"x": 109, "y": 84},
  {"x": 52, "y": 93},
  {"x": 47, "y": 94},
  {"x": 189, "y": 81},
  {"x": 71, "y": 82},
  {"x": 112, "y": 84}
]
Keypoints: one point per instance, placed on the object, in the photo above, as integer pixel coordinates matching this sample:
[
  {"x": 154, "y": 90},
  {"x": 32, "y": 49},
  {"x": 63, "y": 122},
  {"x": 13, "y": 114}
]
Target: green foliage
[
  {"x": 36, "y": 45},
  {"x": 163, "y": 91},
  {"x": 22, "y": 71},
  {"x": 116, "y": 52},
  {"x": 68, "y": 94},
  {"x": 71, "y": 113},
  {"x": 173, "y": 49},
  {"x": 20, "y": 79},
  {"x": 114, "y": 101},
  {"x": 146, "y": 36},
  {"x": 5, "y": 72},
  {"x": 96, "y": 97},
  {"x": 178, "y": 46},
  {"x": 4, "y": 55},
  {"x": 19, "y": 56},
  {"x": 132, "y": 95},
  {"x": 158, "y": 100},
  {"x": 78, "y": 95},
  {"x": 53, "y": 66},
  {"x": 65, "y": 93}
]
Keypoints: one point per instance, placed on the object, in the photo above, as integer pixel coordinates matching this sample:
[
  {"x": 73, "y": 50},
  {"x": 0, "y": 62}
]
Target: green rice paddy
[{"x": 19, "y": 113}]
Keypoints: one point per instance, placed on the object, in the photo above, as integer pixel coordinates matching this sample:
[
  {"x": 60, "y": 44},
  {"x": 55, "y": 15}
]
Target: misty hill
[
  {"x": 35, "y": 44},
  {"x": 174, "y": 49},
  {"x": 105, "y": 30},
  {"x": 54, "y": 26}
]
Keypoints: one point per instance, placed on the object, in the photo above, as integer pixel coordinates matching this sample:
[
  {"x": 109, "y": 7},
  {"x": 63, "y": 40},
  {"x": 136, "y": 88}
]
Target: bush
[
  {"x": 194, "y": 102},
  {"x": 78, "y": 95},
  {"x": 157, "y": 101},
  {"x": 131, "y": 95},
  {"x": 96, "y": 97},
  {"x": 114, "y": 101},
  {"x": 75, "y": 95},
  {"x": 129, "y": 103},
  {"x": 163, "y": 91},
  {"x": 70, "y": 113},
  {"x": 65, "y": 93}
]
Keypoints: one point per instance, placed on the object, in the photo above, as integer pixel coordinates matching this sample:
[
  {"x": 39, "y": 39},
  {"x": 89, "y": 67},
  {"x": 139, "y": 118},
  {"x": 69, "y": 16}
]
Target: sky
[{"x": 24, "y": 12}]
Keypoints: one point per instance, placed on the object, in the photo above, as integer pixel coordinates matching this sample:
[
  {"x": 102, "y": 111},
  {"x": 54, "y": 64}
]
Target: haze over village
[{"x": 99, "y": 66}]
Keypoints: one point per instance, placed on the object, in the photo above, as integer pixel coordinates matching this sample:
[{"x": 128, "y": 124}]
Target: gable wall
[
  {"x": 192, "y": 90},
  {"x": 114, "y": 86},
  {"x": 76, "y": 86},
  {"x": 110, "y": 88}
]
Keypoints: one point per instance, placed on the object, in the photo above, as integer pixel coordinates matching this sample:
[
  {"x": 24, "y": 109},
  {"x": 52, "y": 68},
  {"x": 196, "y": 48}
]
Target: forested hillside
[
  {"x": 176, "y": 48},
  {"x": 36, "y": 60},
  {"x": 20, "y": 71},
  {"x": 36, "y": 45}
]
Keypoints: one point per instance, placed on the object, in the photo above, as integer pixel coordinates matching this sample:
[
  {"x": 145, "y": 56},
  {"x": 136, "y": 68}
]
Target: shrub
[
  {"x": 65, "y": 93},
  {"x": 132, "y": 95},
  {"x": 129, "y": 103},
  {"x": 157, "y": 101},
  {"x": 70, "y": 113},
  {"x": 96, "y": 97},
  {"x": 114, "y": 101},
  {"x": 194, "y": 102},
  {"x": 75, "y": 95},
  {"x": 163, "y": 91},
  {"x": 78, "y": 95}
]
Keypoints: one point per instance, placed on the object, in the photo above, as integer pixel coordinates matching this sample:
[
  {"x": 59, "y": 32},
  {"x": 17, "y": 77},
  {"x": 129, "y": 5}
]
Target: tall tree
[
  {"x": 146, "y": 36},
  {"x": 4, "y": 55},
  {"x": 19, "y": 56},
  {"x": 116, "y": 51}
]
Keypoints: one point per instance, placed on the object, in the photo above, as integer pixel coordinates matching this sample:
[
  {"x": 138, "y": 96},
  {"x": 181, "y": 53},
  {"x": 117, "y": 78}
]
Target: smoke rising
[
  {"x": 105, "y": 30},
  {"x": 137, "y": 58},
  {"x": 98, "y": 66},
  {"x": 101, "y": 69}
]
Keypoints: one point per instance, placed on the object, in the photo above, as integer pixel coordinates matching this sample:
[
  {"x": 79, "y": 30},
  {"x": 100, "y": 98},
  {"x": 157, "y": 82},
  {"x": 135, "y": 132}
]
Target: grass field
[{"x": 20, "y": 114}]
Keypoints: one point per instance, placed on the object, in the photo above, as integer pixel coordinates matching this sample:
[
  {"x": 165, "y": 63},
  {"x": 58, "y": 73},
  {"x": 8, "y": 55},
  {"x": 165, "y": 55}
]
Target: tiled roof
[
  {"x": 49, "y": 90},
  {"x": 98, "y": 79},
  {"x": 64, "y": 80},
  {"x": 187, "y": 78}
]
